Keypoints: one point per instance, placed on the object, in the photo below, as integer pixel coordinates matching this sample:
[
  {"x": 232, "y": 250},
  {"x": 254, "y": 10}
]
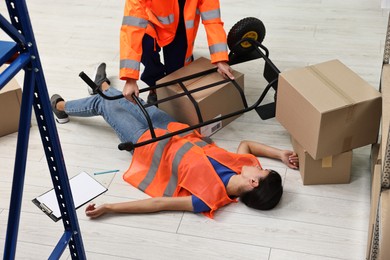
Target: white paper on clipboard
[{"x": 84, "y": 189}]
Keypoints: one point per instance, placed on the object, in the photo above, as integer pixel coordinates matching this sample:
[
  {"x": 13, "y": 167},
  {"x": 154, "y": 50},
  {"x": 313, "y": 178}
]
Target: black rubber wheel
[{"x": 249, "y": 27}]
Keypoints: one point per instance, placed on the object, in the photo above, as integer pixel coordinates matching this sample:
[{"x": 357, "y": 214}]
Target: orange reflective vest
[
  {"x": 160, "y": 19},
  {"x": 179, "y": 167}
]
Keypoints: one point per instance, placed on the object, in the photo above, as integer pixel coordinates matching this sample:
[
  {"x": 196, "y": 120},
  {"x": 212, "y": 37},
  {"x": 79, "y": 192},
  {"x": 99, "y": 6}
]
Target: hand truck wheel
[{"x": 249, "y": 27}]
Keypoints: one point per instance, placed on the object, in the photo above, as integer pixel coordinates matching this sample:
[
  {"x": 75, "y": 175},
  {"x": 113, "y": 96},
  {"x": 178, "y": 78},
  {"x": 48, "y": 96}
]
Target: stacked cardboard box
[
  {"x": 379, "y": 224},
  {"x": 329, "y": 111},
  {"x": 10, "y": 101},
  {"x": 213, "y": 102}
]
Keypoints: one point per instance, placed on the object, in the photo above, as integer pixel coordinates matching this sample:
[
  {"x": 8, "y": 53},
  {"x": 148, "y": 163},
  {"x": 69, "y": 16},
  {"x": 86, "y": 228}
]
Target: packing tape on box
[
  {"x": 327, "y": 162},
  {"x": 331, "y": 84}
]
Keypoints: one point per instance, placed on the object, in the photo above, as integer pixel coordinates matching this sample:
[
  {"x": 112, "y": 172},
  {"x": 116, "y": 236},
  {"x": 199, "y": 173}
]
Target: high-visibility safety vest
[
  {"x": 179, "y": 166},
  {"x": 160, "y": 19}
]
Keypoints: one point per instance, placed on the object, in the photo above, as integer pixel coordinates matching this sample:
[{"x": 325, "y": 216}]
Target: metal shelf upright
[{"x": 22, "y": 54}]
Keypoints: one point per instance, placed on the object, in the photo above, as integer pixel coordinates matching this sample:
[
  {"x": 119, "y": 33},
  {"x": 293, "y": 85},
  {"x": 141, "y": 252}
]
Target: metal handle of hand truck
[
  {"x": 129, "y": 146},
  {"x": 96, "y": 88}
]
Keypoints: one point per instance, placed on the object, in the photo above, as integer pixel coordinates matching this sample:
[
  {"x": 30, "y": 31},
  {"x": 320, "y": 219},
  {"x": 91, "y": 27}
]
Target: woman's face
[{"x": 254, "y": 175}]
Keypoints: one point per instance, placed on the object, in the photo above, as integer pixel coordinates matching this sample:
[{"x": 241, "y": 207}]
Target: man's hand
[
  {"x": 225, "y": 70},
  {"x": 290, "y": 159},
  {"x": 129, "y": 89}
]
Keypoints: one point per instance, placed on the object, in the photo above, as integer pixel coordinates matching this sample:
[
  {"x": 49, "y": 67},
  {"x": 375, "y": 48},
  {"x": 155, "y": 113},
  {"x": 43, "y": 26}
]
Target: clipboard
[{"x": 84, "y": 189}]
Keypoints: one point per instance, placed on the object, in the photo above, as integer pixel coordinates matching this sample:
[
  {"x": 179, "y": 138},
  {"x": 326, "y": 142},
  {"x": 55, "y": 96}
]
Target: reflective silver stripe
[
  {"x": 219, "y": 47},
  {"x": 134, "y": 21},
  {"x": 155, "y": 164},
  {"x": 190, "y": 24},
  {"x": 209, "y": 15},
  {"x": 172, "y": 184},
  {"x": 201, "y": 144},
  {"x": 152, "y": 25},
  {"x": 130, "y": 64},
  {"x": 167, "y": 19}
]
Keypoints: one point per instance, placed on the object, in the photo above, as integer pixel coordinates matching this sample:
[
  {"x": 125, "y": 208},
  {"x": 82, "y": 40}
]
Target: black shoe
[
  {"x": 99, "y": 77},
  {"x": 152, "y": 97},
  {"x": 60, "y": 116}
]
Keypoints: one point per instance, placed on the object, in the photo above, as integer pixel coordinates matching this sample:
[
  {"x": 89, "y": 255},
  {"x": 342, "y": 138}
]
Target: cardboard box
[
  {"x": 213, "y": 102},
  {"x": 385, "y": 89},
  {"x": 328, "y": 108},
  {"x": 375, "y": 193},
  {"x": 329, "y": 170},
  {"x": 10, "y": 101},
  {"x": 384, "y": 225}
]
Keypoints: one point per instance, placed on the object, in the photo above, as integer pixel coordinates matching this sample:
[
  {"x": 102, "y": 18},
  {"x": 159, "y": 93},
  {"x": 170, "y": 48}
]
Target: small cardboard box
[
  {"x": 213, "y": 102},
  {"x": 10, "y": 101},
  {"x": 328, "y": 108},
  {"x": 329, "y": 170},
  {"x": 384, "y": 225}
]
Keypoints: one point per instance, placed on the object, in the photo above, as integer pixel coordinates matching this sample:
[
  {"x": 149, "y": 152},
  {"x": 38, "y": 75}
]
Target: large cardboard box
[
  {"x": 10, "y": 101},
  {"x": 213, "y": 102},
  {"x": 385, "y": 89},
  {"x": 328, "y": 170},
  {"x": 328, "y": 108}
]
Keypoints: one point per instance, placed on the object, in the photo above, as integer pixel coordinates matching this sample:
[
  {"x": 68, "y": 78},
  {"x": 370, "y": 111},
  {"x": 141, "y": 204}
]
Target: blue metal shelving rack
[{"x": 22, "y": 54}]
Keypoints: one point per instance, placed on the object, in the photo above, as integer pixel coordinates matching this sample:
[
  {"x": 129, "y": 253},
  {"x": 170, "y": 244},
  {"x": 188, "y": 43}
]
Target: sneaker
[
  {"x": 152, "y": 97},
  {"x": 99, "y": 77},
  {"x": 60, "y": 116}
]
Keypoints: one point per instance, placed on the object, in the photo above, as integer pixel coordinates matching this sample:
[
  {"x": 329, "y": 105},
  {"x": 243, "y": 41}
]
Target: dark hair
[{"x": 267, "y": 195}]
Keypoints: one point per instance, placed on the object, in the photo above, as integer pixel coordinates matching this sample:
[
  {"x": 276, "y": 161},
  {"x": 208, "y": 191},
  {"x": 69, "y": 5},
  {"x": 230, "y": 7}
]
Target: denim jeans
[{"x": 125, "y": 117}]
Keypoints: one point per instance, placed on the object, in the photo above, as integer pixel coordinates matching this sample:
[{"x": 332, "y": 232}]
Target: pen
[{"x": 97, "y": 173}]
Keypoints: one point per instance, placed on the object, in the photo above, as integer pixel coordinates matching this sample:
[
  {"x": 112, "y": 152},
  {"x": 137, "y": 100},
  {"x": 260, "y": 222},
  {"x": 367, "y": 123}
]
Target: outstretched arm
[
  {"x": 289, "y": 158},
  {"x": 141, "y": 206}
]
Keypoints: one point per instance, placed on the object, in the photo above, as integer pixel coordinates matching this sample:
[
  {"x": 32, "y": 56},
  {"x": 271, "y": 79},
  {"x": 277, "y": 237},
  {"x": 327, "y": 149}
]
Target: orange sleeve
[
  {"x": 216, "y": 36},
  {"x": 134, "y": 23}
]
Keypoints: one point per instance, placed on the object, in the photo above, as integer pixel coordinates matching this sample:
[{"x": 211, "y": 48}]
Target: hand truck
[{"x": 244, "y": 41}]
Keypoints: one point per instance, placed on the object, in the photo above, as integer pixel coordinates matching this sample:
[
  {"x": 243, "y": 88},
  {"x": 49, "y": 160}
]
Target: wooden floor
[{"x": 311, "y": 222}]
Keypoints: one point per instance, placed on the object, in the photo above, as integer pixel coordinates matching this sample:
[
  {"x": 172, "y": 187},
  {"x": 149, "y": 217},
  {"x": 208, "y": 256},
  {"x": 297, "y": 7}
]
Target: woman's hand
[
  {"x": 94, "y": 212},
  {"x": 290, "y": 159},
  {"x": 225, "y": 70},
  {"x": 129, "y": 89}
]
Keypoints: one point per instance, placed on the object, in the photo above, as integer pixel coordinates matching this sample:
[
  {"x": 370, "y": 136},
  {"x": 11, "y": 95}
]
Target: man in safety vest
[
  {"x": 149, "y": 25},
  {"x": 184, "y": 172}
]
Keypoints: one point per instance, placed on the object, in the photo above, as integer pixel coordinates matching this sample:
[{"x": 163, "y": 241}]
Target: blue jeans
[{"x": 125, "y": 117}]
